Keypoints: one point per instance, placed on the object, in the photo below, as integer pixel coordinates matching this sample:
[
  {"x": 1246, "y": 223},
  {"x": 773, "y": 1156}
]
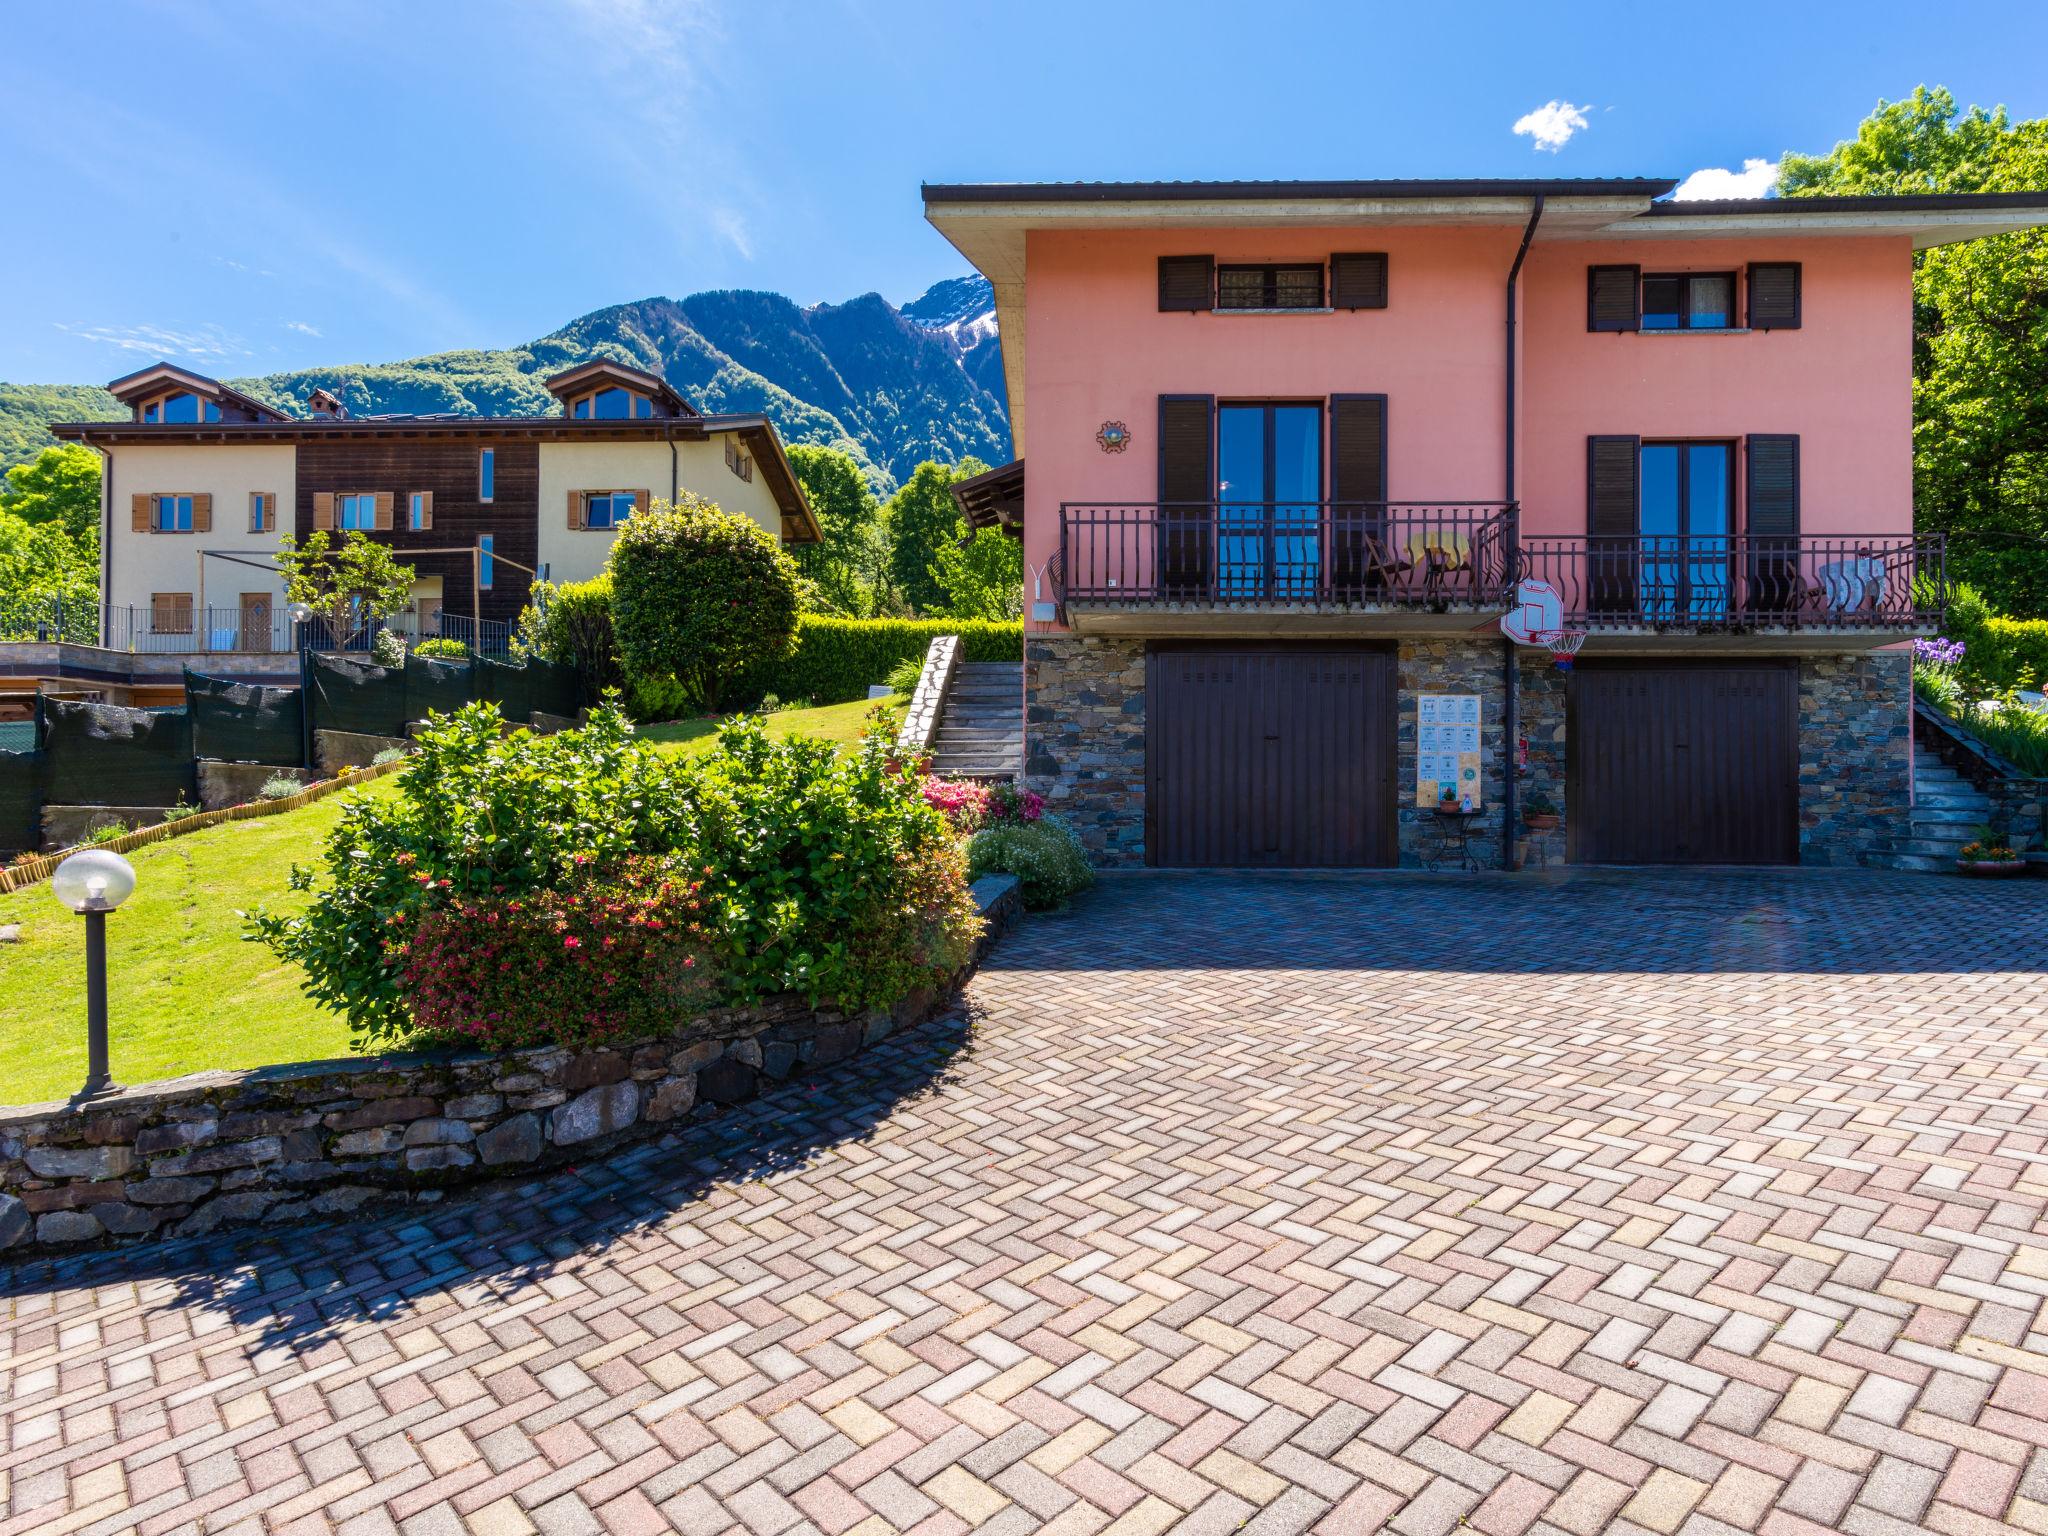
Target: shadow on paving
[
  {"x": 302, "y": 1285},
  {"x": 1559, "y": 921}
]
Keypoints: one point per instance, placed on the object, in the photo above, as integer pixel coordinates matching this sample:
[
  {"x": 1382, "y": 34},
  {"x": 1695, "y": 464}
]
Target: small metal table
[{"x": 1452, "y": 841}]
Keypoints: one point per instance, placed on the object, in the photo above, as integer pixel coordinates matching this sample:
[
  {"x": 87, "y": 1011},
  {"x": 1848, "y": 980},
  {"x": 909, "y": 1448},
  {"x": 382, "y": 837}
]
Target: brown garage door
[
  {"x": 1281, "y": 756},
  {"x": 1670, "y": 764}
]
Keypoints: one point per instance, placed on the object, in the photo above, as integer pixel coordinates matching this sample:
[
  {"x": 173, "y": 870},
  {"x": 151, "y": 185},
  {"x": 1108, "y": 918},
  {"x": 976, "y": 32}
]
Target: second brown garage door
[
  {"x": 1277, "y": 756},
  {"x": 1683, "y": 764}
]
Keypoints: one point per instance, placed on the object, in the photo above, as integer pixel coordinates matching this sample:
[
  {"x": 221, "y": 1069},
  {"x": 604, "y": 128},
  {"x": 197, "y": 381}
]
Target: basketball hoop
[{"x": 1563, "y": 645}]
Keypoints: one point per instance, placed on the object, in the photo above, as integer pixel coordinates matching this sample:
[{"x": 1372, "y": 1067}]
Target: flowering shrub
[
  {"x": 829, "y": 874},
  {"x": 808, "y": 871},
  {"x": 604, "y": 956},
  {"x": 479, "y": 814},
  {"x": 968, "y": 806},
  {"x": 1986, "y": 851},
  {"x": 1050, "y": 865},
  {"x": 1938, "y": 652}
]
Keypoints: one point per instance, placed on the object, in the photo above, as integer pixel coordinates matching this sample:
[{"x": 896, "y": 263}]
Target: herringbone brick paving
[{"x": 1695, "y": 1203}]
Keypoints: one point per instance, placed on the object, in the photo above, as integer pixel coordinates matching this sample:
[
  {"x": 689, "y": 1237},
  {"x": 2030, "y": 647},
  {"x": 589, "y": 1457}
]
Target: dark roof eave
[
  {"x": 1909, "y": 202},
  {"x": 1254, "y": 191}
]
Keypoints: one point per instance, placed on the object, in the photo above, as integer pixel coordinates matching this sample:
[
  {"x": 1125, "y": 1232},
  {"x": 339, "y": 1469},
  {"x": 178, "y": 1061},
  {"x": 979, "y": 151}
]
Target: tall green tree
[
  {"x": 1980, "y": 321},
  {"x": 45, "y": 571},
  {"x": 59, "y": 485},
  {"x": 850, "y": 563},
  {"x": 983, "y": 577},
  {"x": 920, "y": 519},
  {"x": 346, "y": 584}
]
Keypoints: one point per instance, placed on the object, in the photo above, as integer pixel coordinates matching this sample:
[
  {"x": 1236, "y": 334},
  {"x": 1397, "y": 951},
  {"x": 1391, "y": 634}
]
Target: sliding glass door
[{"x": 1269, "y": 491}]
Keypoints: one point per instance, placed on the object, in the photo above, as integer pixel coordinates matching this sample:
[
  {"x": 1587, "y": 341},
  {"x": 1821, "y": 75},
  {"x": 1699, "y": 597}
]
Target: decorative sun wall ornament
[{"x": 1115, "y": 437}]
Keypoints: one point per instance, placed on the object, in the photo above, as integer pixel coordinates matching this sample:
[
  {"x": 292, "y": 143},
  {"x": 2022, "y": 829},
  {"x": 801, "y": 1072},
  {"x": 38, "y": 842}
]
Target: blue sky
[{"x": 248, "y": 187}]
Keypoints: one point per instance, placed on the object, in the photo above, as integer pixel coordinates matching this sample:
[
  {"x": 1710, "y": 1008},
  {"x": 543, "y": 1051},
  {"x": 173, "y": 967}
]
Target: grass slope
[{"x": 185, "y": 991}]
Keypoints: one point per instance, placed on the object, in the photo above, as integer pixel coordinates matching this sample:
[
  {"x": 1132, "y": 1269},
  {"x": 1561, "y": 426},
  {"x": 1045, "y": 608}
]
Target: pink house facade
[{"x": 1294, "y": 449}]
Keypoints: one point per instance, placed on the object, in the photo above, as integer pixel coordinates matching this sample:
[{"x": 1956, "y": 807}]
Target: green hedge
[
  {"x": 1998, "y": 652},
  {"x": 837, "y": 659}
]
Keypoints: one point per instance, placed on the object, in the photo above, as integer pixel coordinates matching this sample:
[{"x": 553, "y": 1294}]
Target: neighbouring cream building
[{"x": 203, "y": 481}]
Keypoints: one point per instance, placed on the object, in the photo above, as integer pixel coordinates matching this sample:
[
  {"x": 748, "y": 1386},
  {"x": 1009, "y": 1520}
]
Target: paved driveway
[{"x": 1597, "y": 1203}]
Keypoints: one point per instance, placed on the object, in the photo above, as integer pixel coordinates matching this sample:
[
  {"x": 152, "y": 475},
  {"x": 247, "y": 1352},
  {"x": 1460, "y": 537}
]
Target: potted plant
[
  {"x": 1539, "y": 812},
  {"x": 1989, "y": 857}
]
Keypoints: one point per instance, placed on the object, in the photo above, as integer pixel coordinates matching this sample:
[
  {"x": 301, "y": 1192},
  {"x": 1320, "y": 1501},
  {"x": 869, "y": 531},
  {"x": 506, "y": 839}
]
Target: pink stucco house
[{"x": 1294, "y": 446}]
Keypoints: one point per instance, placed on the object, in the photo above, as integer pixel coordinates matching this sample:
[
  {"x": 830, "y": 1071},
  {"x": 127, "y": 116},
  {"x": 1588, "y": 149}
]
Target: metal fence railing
[{"x": 251, "y": 629}]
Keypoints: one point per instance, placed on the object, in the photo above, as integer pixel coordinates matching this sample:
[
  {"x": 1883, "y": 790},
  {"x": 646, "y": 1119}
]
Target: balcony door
[
  {"x": 1269, "y": 490},
  {"x": 1687, "y": 517}
]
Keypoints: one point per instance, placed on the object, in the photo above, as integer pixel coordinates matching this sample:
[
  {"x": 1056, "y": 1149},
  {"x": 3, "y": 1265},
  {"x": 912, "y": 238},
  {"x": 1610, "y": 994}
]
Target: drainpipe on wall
[
  {"x": 106, "y": 613},
  {"x": 1511, "y": 680},
  {"x": 674, "y": 474}
]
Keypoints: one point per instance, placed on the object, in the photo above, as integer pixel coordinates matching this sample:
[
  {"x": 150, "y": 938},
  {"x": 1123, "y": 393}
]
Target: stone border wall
[
  {"x": 186, "y": 1157},
  {"x": 928, "y": 701},
  {"x": 1084, "y": 740}
]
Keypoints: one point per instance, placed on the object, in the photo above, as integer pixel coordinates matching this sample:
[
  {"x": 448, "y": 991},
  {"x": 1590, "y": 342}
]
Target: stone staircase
[
  {"x": 981, "y": 723},
  {"x": 1947, "y": 810}
]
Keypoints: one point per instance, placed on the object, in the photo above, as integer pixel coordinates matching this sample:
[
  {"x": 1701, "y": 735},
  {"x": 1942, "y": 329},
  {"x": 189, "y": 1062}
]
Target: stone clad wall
[
  {"x": 183, "y": 1158},
  {"x": 1855, "y": 726},
  {"x": 1451, "y": 666},
  {"x": 1084, "y": 739}
]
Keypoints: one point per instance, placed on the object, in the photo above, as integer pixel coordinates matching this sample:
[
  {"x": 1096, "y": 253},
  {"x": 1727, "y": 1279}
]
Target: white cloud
[
  {"x": 1553, "y": 124},
  {"x": 207, "y": 344},
  {"x": 1755, "y": 179},
  {"x": 301, "y": 327},
  {"x": 732, "y": 224}
]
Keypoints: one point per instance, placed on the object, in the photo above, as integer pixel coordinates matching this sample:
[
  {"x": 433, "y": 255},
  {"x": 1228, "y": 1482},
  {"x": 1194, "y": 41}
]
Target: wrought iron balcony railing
[
  {"x": 1431, "y": 555},
  {"x": 1742, "y": 581}
]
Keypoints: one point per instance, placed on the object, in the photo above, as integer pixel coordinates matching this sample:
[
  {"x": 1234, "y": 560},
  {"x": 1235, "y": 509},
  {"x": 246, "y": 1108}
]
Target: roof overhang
[
  {"x": 994, "y": 499},
  {"x": 1930, "y": 220}
]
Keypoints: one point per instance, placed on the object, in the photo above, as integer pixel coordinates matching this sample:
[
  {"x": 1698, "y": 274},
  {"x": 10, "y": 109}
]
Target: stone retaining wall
[{"x": 186, "y": 1157}]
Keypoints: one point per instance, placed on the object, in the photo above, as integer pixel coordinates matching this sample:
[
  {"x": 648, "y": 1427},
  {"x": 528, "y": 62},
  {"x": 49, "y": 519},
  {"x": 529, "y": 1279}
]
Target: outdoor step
[
  {"x": 1962, "y": 815},
  {"x": 1932, "y": 849},
  {"x": 1922, "y": 863},
  {"x": 989, "y": 669},
  {"x": 1975, "y": 804}
]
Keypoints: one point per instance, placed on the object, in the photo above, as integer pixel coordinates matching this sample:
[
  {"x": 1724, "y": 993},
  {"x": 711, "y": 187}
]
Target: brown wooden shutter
[
  {"x": 1358, "y": 280},
  {"x": 1613, "y": 299},
  {"x": 1773, "y": 488},
  {"x": 138, "y": 512},
  {"x": 170, "y": 613},
  {"x": 1771, "y": 495},
  {"x": 1187, "y": 493},
  {"x": 1358, "y": 493},
  {"x": 202, "y": 512},
  {"x": 1613, "y": 528},
  {"x": 323, "y": 511},
  {"x": 642, "y": 500},
  {"x": 384, "y": 511},
  {"x": 426, "y": 510},
  {"x": 1774, "y": 296},
  {"x": 578, "y": 501},
  {"x": 1187, "y": 282}
]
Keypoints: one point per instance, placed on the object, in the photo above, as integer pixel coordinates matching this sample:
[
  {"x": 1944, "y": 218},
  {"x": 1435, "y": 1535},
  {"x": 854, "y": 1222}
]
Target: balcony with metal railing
[
  {"x": 1744, "y": 583},
  {"x": 1419, "y": 566},
  {"x": 1126, "y": 563}
]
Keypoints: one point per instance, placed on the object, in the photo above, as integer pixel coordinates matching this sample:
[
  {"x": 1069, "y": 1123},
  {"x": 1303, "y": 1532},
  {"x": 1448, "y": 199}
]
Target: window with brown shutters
[
  {"x": 1294, "y": 285},
  {"x": 1358, "y": 493},
  {"x": 1613, "y": 523},
  {"x": 1613, "y": 300},
  {"x": 1771, "y": 521},
  {"x": 262, "y": 512},
  {"x": 1774, "y": 299},
  {"x": 1187, "y": 283},
  {"x": 1187, "y": 492},
  {"x": 1358, "y": 280},
  {"x": 419, "y": 511},
  {"x": 170, "y": 613}
]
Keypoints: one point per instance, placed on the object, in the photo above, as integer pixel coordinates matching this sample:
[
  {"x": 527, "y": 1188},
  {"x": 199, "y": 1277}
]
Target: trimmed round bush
[
  {"x": 1048, "y": 860},
  {"x": 571, "y": 624},
  {"x": 442, "y": 649},
  {"x": 701, "y": 595}
]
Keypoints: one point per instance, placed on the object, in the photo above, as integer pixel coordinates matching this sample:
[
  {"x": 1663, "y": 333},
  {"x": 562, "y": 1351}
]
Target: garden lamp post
[{"x": 93, "y": 883}]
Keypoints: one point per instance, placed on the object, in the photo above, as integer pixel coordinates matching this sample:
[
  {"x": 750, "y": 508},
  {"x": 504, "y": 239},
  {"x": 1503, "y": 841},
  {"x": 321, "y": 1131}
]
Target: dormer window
[
  {"x": 181, "y": 406},
  {"x": 613, "y": 404}
]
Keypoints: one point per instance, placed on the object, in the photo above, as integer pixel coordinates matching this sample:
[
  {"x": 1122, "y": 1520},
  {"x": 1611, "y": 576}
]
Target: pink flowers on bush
[{"x": 969, "y": 806}]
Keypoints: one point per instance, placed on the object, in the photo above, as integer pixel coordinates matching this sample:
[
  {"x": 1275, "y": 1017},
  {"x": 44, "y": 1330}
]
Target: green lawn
[
  {"x": 840, "y": 723},
  {"x": 185, "y": 992}
]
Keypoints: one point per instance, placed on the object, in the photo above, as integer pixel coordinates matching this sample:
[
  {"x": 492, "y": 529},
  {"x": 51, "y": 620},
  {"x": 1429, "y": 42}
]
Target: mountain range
[{"x": 892, "y": 387}]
